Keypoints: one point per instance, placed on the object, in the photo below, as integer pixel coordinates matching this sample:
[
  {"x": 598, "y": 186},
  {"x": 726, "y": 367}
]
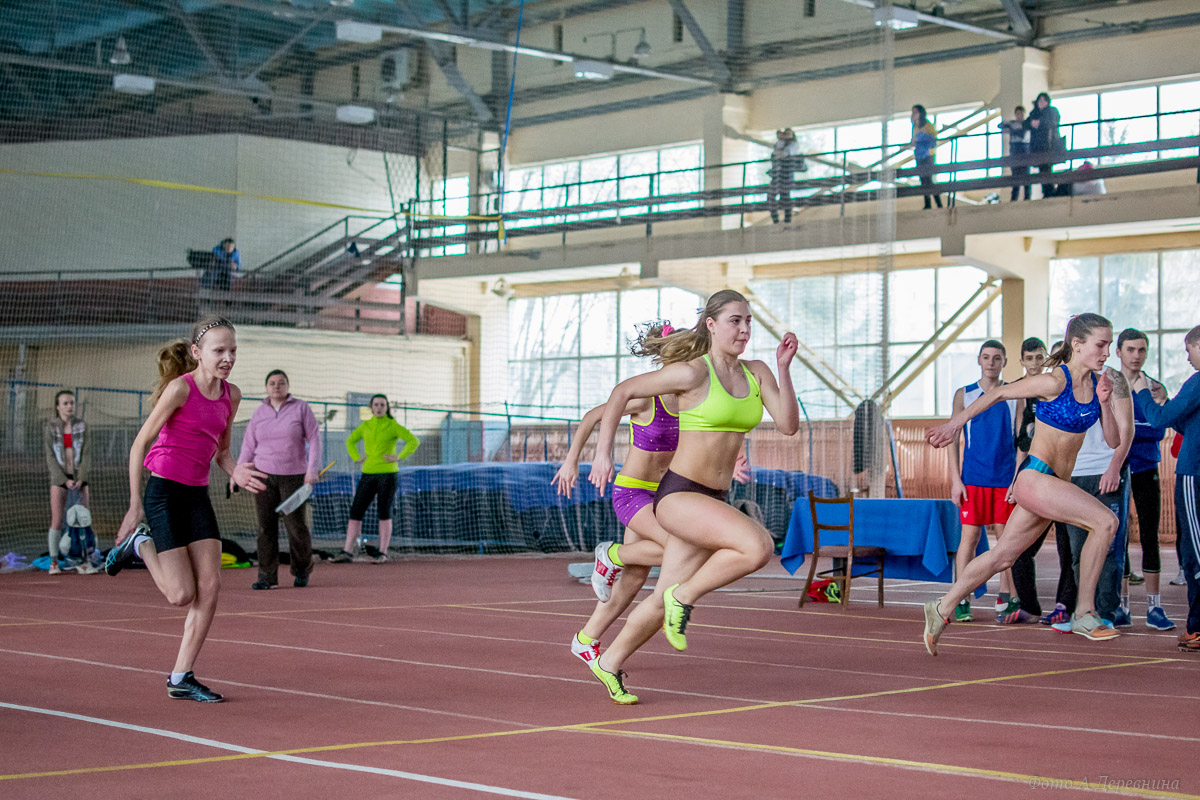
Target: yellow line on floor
[
  {"x": 583, "y": 726},
  {"x": 1032, "y": 781}
]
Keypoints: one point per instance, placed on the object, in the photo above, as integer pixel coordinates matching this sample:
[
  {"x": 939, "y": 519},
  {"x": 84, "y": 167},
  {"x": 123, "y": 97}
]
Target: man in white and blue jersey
[{"x": 988, "y": 464}]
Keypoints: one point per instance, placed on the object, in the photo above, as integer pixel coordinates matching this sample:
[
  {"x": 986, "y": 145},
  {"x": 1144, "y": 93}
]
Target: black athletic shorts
[
  {"x": 673, "y": 482},
  {"x": 370, "y": 485},
  {"x": 178, "y": 514}
]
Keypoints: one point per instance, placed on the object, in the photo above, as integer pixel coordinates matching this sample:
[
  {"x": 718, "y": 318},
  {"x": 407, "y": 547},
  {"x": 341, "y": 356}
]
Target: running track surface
[{"x": 452, "y": 679}]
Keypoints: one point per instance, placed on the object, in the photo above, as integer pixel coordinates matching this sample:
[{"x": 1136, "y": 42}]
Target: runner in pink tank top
[{"x": 190, "y": 425}]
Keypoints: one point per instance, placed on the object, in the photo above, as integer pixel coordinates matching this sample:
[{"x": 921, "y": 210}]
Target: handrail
[
  {"x": 344, "y": 221},
  {"x": 834, "y": 155}
]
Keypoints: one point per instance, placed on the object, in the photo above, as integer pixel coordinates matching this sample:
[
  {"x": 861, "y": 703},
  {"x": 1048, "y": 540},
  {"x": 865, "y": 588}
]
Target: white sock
[
  {"x": 177, "y": 677},
  {"x": 1153, "y": 601},
  {"x": 138, "y": 540}
]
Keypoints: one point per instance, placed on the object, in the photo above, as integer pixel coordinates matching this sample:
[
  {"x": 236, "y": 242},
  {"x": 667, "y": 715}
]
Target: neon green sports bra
[{"x": 721, "y": 411}]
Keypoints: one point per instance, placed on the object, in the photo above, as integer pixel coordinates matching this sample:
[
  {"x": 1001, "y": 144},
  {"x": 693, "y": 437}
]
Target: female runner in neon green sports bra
[{"x": 721, "y": 398}]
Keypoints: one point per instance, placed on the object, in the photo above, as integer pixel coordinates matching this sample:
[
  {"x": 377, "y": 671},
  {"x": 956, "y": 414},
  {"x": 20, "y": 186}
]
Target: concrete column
[
  {"x": 722, "y": 112},
  {"x": 1023, "y": 265},
  {"x": 1024, "y": 71}
]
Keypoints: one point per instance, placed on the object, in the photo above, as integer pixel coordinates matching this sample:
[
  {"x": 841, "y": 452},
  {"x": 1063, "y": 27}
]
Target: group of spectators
[
  {"x": 1034, "y": 140},
  {"x": 282, "y": 440}
]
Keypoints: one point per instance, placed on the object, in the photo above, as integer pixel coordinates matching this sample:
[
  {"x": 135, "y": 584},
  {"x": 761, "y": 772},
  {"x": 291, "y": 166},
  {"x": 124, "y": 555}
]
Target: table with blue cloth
[{"x": 919, "y": 536}]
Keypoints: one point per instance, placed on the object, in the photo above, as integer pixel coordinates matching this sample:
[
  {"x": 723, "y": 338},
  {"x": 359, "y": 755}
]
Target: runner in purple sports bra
[
  {"x": 190, "y": 423},
  {"x": 621, "y": 569}
]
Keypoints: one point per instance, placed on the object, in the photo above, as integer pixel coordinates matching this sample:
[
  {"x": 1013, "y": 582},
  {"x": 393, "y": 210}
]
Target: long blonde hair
[
  {"x": 1080, "y": 327},
  {"x": 175, "y": 358},
  {"x": 689, "y": 343}
]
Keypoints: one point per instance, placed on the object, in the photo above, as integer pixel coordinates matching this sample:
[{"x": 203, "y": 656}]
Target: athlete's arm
[
  {"x": 564, "y": 480},
  {"x": 958, "y": 492},
  {"x": 674, "y": 379},
  {"x": 1120, "y": 409},
  {"x": 1171, "y": 413},
  {"x": 780, "y": 398},
  {"x": 1040, "y": 386},
  {"x": 244, "y": 475}
]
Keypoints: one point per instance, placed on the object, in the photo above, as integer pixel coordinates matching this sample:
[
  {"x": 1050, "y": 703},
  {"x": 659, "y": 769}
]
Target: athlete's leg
[
  {"x": 204, "y": 560},
  {"x": 680, "y": 561},
  {"x": 58, "y": 517},
  {"x": 739, "y": 545},
  {"x": 643, "y": 536}
]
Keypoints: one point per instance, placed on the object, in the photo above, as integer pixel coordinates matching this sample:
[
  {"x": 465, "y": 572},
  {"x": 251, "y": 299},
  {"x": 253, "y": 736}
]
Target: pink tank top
[{"x": 187, "y": 443}]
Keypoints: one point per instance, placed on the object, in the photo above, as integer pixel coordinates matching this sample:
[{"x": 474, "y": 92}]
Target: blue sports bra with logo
[{"x": 1068, "y": 414}]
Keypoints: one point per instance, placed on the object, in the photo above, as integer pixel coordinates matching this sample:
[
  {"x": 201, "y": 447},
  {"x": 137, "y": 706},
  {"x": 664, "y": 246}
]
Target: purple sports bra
[{"x": 660, "y": 434}]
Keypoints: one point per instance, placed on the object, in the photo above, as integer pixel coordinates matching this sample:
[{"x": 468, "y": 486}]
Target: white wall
[{"x": 81, "y": 224}]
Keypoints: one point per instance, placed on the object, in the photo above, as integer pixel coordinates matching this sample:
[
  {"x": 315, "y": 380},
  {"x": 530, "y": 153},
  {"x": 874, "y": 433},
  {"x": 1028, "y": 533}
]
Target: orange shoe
[{"x": 1189, "y": 642}]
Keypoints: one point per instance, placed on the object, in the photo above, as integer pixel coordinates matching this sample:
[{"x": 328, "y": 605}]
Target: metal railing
[{"x": 836, "y": 176}]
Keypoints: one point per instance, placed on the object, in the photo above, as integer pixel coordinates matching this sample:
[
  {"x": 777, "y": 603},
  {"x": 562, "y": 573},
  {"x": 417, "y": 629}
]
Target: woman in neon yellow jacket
[{"x": 379, "y": 436}]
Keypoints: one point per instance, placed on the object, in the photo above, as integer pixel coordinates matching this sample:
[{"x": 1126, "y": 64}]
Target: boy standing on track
[
  {"x": 988, "y": 462},
  {"x": 1142, "y": 463}
]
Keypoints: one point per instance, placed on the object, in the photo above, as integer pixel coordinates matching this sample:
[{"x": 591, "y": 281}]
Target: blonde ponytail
[{"x": 690, "y": 343}]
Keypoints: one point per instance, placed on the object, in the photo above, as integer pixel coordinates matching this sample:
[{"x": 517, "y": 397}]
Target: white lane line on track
[{"x": 183, "y": 737}]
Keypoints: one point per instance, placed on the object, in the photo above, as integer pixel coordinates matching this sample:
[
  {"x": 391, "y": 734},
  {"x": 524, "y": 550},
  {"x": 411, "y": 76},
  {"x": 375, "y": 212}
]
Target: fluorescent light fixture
[
  {"x": 592, "y": 70},
  {"x": 898, "y": 19},
  {"x": 355, "y": 115},
  {"x": 133, "y": 84},
  {"x": 363, "y": 33}
]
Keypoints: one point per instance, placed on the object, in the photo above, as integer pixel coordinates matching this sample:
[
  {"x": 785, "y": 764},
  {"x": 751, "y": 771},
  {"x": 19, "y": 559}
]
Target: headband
[
  {"x": 206, "y": 329},
  {"x": 667, "y": 330}
]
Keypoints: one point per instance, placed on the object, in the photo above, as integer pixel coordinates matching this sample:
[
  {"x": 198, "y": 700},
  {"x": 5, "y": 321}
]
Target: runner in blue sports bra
[
  {"x": 1042, "y": 488},
  {"x": 1064, "y": 413},
  {"x": 721, "y": 398}
]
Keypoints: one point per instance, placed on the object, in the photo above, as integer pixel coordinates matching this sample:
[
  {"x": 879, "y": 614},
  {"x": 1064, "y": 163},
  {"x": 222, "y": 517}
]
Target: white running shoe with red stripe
[
  {"x": 605, "y": 573},
  {"x": 587, "y": 653}
]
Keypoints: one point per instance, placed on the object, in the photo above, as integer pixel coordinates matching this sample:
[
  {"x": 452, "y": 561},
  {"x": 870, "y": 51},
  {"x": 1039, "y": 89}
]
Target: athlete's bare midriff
[
  {"x": 1058, "y": 449},
  {"x": 646, "y": 466},
  {"x": 708, "y": 457}
]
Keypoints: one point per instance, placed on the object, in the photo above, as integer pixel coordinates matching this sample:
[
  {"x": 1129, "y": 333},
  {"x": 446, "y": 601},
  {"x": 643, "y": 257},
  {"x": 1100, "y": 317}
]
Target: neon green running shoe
[
  {"x": 675, "y": 619},
  {"x": 615, "y": 683},
  {"x": 962, "y": 611}
]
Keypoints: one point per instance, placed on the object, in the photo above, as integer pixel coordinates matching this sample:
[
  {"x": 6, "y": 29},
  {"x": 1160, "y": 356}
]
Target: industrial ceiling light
[
  {"x": 355, "y": 115},
  {"x": 589, "y": 70},
  {"x": 120, "y": 54},
  {"x": 502, "y": 290},
  {"x": 626, "y": 280},
  {"x": 133, "y": 84},
  {"x": 348, "y": 30},
  {"x": 896, "y": 18},
  {"x": 642, "y": 48}
]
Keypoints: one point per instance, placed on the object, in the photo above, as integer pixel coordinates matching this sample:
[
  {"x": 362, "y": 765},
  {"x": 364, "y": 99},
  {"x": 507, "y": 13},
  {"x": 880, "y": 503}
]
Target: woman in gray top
[{"x": 67, "y": 460}]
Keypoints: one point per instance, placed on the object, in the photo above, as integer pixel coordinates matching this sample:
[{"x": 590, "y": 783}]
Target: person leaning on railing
[
  {"x": 924, "y": 142},
  {"x": 1044, "y": 137}
]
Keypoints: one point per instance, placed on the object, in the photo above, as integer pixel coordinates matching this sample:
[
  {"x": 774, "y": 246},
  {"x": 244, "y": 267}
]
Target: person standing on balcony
[
  {"x": 284, "y": 441},
  {"x": 1044, "y": 138},
  {"x": 924, "y": 142},
  {"x": 785, "y": 161},
  {"x": 226, "y": 261},
  {"x": 1017, "y": 130}
]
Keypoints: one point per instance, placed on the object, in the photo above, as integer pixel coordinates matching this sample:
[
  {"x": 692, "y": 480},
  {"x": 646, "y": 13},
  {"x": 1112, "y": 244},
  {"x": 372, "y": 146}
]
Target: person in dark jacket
[{"x": 1044, "y": 138}]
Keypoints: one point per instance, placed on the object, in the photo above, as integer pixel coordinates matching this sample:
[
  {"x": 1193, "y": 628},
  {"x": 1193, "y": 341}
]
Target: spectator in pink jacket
[{"x": 282, "y": 440}]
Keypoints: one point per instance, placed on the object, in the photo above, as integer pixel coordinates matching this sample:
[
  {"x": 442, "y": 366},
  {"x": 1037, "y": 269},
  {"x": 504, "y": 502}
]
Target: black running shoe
[
  {"x": 191, "y": 689},
  {"x": 300, "y": 582},
  {"x": 119, "y": 557},
  {"x": 261, "y": 585}
]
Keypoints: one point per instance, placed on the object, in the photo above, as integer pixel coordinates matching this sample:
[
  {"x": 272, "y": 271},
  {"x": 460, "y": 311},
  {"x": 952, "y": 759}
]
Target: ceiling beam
[
  {"x": 190, "y": 26},
  {"x": 946, "y": 22},
  {"x": 1021, "y": 25},
  {"x": 284, "y": 48},
  {"x": 719, "y": 69}
]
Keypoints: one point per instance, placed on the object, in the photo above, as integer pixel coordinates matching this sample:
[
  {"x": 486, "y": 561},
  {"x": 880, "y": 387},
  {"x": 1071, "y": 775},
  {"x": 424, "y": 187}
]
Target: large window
[
  {"x": 1154, "y": 292},
  {"x": 1131, "y": 115},
  {"x": 840, "y": 317},
  {"x": 567, "y": 352},
  {"x": 604, "y": 178}
]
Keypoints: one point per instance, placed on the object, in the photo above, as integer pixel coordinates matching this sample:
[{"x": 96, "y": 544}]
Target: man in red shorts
[{"x": 979, "y": 482}]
